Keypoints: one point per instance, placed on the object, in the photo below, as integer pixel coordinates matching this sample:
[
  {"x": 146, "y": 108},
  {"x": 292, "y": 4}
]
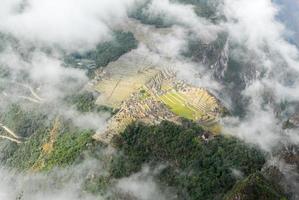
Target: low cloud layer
[
  {"x": 253, "y": 29},
  {"x": 290, "y": 16},
  {"x": 68, "y": 183},
  {"x": 61, "y": 184},
  {"x": 185, "y": 16},
  {"x": 256, "y": 28},
  {"x": 66, "y": 23}
]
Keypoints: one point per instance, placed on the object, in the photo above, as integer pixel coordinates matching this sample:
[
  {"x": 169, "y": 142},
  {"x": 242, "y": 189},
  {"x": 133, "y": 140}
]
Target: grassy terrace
[
  {"x": 184, "y": 105},
  {"x": 180, "y": 104},
  {"x": 177, "y": 104}
]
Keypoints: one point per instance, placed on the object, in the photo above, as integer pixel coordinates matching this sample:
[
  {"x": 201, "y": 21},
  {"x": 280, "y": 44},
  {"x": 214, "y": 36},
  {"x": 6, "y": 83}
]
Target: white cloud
[
  {"x": 73, "y": 24},
  {"x": 68, "y": 23},
  {"x": 90, "y": 120},
  {"x": 254, "y": 26},
  {"x": 59, "y": 184},
  {"x": 185, "y": 16},
  {"x": 142, "y": 186}
]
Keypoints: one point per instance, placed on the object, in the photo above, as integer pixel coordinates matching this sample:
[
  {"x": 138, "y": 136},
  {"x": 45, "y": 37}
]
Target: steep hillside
[
  {"x": 196, "y": 167},
  {"x": 255, "y": 187}
]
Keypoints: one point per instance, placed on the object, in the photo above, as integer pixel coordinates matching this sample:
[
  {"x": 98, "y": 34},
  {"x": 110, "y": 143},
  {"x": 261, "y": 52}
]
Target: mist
[
  {"x": 254, "y": 29},
  {"x": 289, "y": 16},
  {"x": 69, "y": 24},
  {"x": 258, "y": 30}
]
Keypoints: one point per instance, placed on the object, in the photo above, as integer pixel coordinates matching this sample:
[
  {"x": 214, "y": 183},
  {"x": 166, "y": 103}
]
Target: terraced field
[
  {"x": 114, "y": 90},
  {"x": 205, "y": 111},
  {"x": 177, "y": 105},
  {"x": 143, "y": 89},
  {"x": 161, "y": 97}
]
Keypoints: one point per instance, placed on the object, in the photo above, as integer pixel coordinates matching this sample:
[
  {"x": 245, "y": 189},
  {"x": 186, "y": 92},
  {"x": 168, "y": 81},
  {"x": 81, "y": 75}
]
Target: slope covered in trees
[
  {"x": 104, "y": 53},
  {"x": 202, "y": 8},
  {"x": 47, "y": 143},
  {"x": 193, "y": 167},
  {"x": 255, "y": 187},
  {"x": 198, "y": 169}
]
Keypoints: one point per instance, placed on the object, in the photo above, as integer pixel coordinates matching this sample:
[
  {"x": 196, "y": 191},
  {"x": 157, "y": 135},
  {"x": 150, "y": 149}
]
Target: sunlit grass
[{"x": 177, "y": 105}]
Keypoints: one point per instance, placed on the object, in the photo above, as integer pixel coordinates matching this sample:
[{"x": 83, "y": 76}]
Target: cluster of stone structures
[
  {"x": 145, "y": 105},
  {"x": 156, "y": 83},
  {"x": 205, "y": 102},
  {"x": 99, "y": 75},
  {"x": 148, "y": 110}
]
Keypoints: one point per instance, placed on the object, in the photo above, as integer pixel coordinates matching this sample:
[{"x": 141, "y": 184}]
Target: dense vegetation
[
  {"x": 67, "y": 148},
  {"x": 31, "y": 156},
  {"x": 85, "y": 102},
  {"x": 105, "y": 52},
  {"x": 198, "y": 169},
  {"x": 199, "y": 51},
  {"x": 202, "y": 8},
  {"x": 255, "y": 187},
  {"x": 21, "y": 121},
  {"x": 140, "y": 13},
  {"x": 23, "y": 156},
  {"x": 195, "y": 168},
  {"x": 46, "y": 144}
]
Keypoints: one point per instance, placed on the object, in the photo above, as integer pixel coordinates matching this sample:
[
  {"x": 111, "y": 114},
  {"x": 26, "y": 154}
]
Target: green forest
[
  {"x": 196, "y": 168},
  {"x": 202, "y": 8},
  {"x": 105, "y": 52},
  {"x": 38, "y": 130},
  {"x": 193, "y": 167}
]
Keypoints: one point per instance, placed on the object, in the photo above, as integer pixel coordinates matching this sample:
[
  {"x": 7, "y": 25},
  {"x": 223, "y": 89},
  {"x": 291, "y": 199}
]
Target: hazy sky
[{"x": 290, "y": 16}]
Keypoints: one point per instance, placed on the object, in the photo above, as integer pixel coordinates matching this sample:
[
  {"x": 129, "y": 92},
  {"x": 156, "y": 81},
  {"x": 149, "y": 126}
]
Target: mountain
[{"x": 149, "y": 99}]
